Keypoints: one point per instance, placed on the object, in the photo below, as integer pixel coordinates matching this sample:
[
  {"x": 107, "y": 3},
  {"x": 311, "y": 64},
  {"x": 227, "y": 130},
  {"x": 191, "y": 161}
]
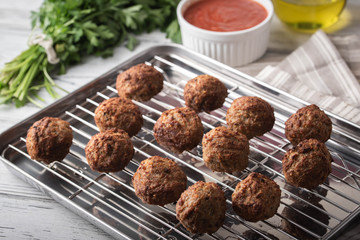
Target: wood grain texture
[{"x": 26, "y": 213}]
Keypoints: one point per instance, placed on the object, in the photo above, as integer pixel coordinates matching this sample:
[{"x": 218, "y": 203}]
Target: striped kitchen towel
[{"x": 322, "y": 71}]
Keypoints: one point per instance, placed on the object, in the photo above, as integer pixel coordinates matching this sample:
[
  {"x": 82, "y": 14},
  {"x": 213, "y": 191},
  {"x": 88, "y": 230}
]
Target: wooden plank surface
[{"x": 25, "y": 212}]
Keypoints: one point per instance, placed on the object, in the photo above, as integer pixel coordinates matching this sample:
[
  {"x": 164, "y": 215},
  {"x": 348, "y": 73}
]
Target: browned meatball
[
  {"x": 204, "y": 93},
  {"x": 256, "y": 198},
  {"x": 308, "y": 122},
  {"x": 109, "y": 151},
  {"x": 225, "y": 150},
  {"x": 49, "y": 139},
  {"x": 201, "y": 208},
  {"x": 140, "y": 82},
  {"x": 178, "y": 129},
  {"x": 119, "y": 113},
  {"x": 159, "y": 181},
  {"x": 308, "y": 164},
  {"x": 251, "y": 116}
]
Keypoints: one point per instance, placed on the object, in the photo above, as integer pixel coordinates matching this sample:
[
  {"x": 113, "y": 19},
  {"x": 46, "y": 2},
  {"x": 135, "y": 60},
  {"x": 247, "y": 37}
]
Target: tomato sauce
[{"x": 225, "y": 15}]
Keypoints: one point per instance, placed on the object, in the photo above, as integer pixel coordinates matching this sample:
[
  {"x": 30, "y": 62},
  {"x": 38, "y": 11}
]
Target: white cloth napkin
[{"x": 322, "y": 71}]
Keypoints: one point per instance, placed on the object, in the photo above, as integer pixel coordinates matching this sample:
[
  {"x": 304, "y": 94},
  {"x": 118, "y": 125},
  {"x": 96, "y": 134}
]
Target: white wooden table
[{"x": 25, "y": 212}]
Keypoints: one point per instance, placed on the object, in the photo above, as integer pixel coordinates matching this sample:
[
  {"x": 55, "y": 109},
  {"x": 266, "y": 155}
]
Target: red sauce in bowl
[{"x": 225, "y": 15}]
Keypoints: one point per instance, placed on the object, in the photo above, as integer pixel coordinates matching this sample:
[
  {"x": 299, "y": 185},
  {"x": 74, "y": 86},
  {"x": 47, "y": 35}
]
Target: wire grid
[{"x": 110, "y": 197}]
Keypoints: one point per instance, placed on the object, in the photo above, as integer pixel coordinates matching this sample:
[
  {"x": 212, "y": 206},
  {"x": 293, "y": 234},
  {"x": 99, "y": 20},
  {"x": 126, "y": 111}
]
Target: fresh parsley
[{"x": 79, "y": 28}]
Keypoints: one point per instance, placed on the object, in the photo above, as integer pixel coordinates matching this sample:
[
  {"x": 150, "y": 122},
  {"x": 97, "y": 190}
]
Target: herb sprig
[{"x": 79, "y": 28}]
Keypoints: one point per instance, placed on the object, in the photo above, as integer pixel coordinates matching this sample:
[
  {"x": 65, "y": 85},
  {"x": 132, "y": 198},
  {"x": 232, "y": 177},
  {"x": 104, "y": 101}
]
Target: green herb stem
[
  {"x": 79, "y": 28},
  {"x": 22, "y": 89}
]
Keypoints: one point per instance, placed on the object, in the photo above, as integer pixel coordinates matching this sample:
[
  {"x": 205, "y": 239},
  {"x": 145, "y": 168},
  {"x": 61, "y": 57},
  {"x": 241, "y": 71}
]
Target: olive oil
[{"x": 308, "y": 15}]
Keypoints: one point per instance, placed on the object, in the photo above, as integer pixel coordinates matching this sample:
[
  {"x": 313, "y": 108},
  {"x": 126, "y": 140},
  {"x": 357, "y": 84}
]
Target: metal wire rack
[{"x": 109, "y": 201}]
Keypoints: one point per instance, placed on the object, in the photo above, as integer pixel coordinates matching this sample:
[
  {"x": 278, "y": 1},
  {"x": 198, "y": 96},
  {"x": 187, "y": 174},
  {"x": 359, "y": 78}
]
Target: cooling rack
[{"x": 109, "y": 201}]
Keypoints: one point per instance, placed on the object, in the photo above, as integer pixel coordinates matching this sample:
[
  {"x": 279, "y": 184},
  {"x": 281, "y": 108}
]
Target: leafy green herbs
[{"x": 79, "y": 28}]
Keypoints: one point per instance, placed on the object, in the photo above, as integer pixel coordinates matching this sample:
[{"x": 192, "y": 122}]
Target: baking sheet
[{"x": 109, "y": 201}]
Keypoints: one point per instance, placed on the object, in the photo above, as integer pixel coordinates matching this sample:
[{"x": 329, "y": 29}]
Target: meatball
[
  {"x": 49, "y": 140},
  {"x": 256, "y": 198},
  {"x": 204, "y": 93},
  {"x": 225, "y": 151},
  {"x": 308, "y": 164},
  {"x": 140, "y": 82},
  {"x": 201, "y": 208},
  {"x": 178, "y": 129},
  {"x": 298, "y": 217},
  {"x": 119, "y": 113},
  {"x": 308, "y": 122},
  {"x": 109, "y": 151},
  {"x": 159, "y": 181},
  {"x": 251, "y": 116}
]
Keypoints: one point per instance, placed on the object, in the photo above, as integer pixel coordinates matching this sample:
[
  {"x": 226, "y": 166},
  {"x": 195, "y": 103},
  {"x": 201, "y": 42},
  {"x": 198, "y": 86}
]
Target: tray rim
[{"x": 64, "y": 103}]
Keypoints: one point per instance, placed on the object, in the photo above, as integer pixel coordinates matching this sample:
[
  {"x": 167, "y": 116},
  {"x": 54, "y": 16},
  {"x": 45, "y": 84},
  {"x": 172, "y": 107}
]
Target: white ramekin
[{"x": 232, "y": 48}]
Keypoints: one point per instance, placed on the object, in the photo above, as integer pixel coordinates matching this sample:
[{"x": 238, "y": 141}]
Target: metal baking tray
[{"x": 109, "y": 201}]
